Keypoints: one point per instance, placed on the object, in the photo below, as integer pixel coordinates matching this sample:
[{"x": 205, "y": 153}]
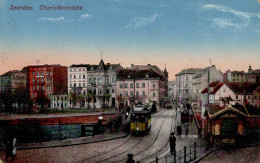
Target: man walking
[{"x": 172, "y": 140}]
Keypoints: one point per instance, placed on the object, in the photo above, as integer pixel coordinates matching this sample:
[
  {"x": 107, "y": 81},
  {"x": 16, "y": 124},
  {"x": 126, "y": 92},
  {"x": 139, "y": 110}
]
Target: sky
[{"x": 177, "y": 34}]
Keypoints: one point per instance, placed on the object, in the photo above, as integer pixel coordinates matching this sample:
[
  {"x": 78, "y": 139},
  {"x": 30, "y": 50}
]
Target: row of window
[
  {"x": 41, "y": 73},
  {"x": 137, "y": 93},
  {"x": 125, "y": 85},
  {"x": 74, "y": 70},
  {"x": 41, "y": 88},
  {"x": 41, "y": 80},
  {"x": 75, "y": 85},
  {"x": 75, "y": 77}
]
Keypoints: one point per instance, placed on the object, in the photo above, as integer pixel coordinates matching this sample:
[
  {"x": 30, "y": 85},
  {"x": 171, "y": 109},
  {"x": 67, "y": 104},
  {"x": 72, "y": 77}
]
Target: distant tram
[{"x": 141, "y": 119}]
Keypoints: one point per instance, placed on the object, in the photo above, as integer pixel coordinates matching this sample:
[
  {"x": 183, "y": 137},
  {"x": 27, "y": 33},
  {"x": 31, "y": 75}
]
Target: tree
[
  {"x": 42, "y": 101},
  {"x": 107, "y": 98},
  {"x": 81, "y": 99},
  {"x": 73, "y": 97},
  {"x": 89, "y": 98}
]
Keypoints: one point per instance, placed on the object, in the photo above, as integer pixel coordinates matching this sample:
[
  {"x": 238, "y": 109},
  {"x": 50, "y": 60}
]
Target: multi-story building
[
  {"x": 184, "y": 84},
  {"x": 77, "y": 84},
  {"x": 172, "y": 90},
  {"x": 47, "y": 80},
  {"x": 101, "y": 84},
  {"x": 253, "y": 75},
  {"x": 235, "y": 76},
  {"x": 142, "y": 84},
  {"x": 200, "y": 81},
  {"x": 6, "y": 81}
]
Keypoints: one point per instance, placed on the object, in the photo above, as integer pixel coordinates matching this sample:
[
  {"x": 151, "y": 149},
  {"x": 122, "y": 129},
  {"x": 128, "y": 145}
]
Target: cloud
[
  {"x": 51, "y": 19},
  {"x": 245, "y": 15},
  {"x": 139, "y": 21},
  {"x": 85, "y": 16},
  {"x": 227, "y": 23},
  {"x": 241, "y": 21}
]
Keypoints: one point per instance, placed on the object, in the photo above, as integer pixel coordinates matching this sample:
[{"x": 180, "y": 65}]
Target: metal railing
[{"x": 187, "y": 154}]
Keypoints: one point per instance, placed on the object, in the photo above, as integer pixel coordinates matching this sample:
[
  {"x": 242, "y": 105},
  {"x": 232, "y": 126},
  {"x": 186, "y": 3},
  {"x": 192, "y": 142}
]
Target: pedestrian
[
  {"x": 9, "y": 150},
  {"x": 172, "y": 140},
  {"x": 187, "y": 130},
  {"x": 14, "y": 147},
  {"x": 130, "y": 159},
  {"x": 199, "y": 132},
  {"x": 179, "y": 130}
]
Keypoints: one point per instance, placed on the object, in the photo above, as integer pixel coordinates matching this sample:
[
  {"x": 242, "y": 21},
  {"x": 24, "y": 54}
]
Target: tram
[{"x": 140, "y": 122}]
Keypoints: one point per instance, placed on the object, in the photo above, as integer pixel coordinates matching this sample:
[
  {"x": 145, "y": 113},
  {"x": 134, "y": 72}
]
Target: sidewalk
[{"x": 68, "y": 142}]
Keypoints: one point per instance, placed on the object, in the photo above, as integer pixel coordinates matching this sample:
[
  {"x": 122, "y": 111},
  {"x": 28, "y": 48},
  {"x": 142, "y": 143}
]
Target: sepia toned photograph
[{"x": 130, "y": 81}]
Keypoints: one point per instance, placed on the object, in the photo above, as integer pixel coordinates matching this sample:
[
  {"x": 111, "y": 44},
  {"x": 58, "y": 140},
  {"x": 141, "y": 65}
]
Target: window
[
  {"x": 42, "y": 73},
  {"x": 83, "y": 76},
  {"x": 47, "y": 73},
  {"x": 121, "y": 94},
  {"x": 79, "y": 69},
  {"x": 74, "y": 76},
  {"x": 113, "y": 91},
  {"x": 187, "y": 78},
  {"x": 137, "y": 85},
  {"x": 89, "y": 80},
  {"x": 70, "y": 85},
  {"x": 99, "y": 91},
  {"x": 33, "y": 88},
  {"x": 94, "y": 80},
  {"x": 70, "y": 76},
  {"x": 143, "y": 93},
  {"x": 107, "y": 91},
  {"x": 126, "y": 85},
  {"x": 42, "y": 80},
  {"x": 143, "y": 85},
  {"x": 153, "y": 94},
  {"x": 132, "y": 93},
  {"x": 99, "y": 80},
  {"x": 74, "y": 84},
  {"x": 33, "y": 73},
  {"x": 33, "y": 80},
  {"x": 107, "y": 80},
  {"x": 79, "y": 84},
  {"x": 236, "y": 96},
  {"x": 126, "y": 93},
  {"x": 131, "y": 85},
  {"x": 38, "y": 80},
  {"x": 83, "y": 84},
  {"x": 137, "y": 93},
  {"x": 79, "y": 76},
  {"x": 50, "y": 73},
  {"x": 37, "y": 87},
  {"x": 74, "y": 70},
  {"x": 42, "y": 88},
  {"x": 37, "y": 72},
  {"x": 121, "y": 85}
]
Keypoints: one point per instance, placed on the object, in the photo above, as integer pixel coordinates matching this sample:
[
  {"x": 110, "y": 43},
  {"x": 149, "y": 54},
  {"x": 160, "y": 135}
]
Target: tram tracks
[
  {"x": 164, "y": 147},
  {"x": 126, "y": 143}
]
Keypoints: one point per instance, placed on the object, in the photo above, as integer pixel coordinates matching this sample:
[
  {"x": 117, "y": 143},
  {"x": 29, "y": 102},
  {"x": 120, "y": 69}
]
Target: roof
[
  {"x": 190, "y": 71},
  {"x": 147, "y": 67},
  {"x": 10, "y": 73},
  {"x": 241, "y": 88},
  {"x": 80, "y": 65},
  {"x": 215, "y": 85},
  {"x": 103, "y": 66},
  {"x": 137, "y": 74},
  {"x": 215, "y": 111}
]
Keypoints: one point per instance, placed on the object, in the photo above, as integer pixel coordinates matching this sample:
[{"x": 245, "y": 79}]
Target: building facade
[
  {"x": 47, "y": 80},
  {"x": 77, "y": 85},
  {"x": 200, "y": 81},
  {"x": 184, "y": 84},
  {"x": 101, "y": 84},
  {"x": 172, "y": 90},
  {"x": 142, "y": 84}
]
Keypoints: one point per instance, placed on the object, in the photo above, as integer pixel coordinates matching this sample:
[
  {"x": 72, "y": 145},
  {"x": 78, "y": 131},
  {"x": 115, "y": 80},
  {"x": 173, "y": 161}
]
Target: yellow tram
[{"x": 141, "y": 119}]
